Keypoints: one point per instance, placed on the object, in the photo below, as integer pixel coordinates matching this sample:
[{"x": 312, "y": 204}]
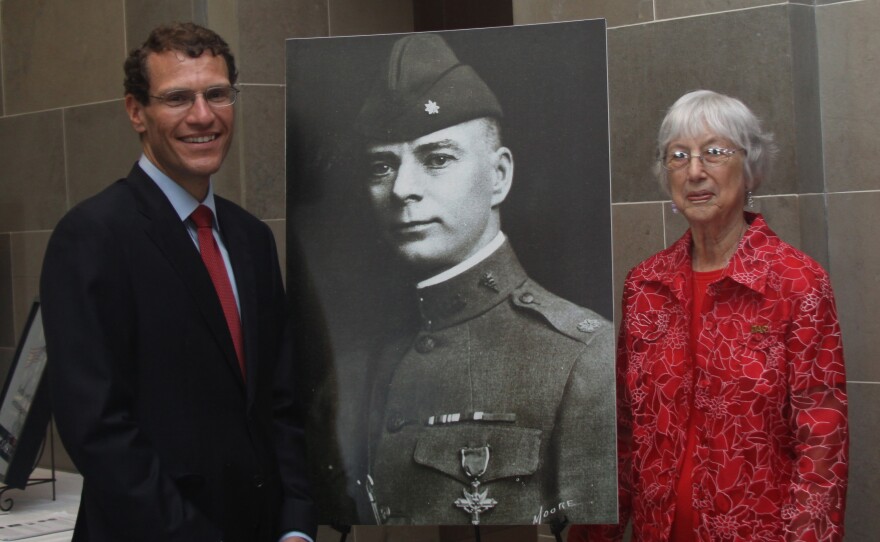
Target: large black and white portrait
[{"x": 449, "y": 274}]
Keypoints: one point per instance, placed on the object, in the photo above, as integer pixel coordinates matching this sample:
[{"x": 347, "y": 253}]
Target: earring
[
  {"x": 674, "y": 207},
  {"x": 750, "y": 200}
]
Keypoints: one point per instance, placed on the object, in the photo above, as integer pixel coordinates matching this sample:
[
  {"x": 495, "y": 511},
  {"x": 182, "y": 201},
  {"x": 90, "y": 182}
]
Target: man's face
[
  {"x": 187, "y": 143},
  {"x": 436, "y": 197}
]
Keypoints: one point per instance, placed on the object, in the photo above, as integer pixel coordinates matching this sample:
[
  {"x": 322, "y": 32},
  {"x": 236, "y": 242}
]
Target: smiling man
[
  {"x": 499, "y": 407},
  {"x": 164, "y": 314}
]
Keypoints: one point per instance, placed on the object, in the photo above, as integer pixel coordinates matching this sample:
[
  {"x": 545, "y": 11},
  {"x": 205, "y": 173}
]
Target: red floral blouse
[{"x": 769, "y": 392}]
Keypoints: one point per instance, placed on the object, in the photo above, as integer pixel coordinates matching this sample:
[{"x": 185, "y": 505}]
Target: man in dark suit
[
  {"x": 498, "y": 405},
  {"x": 165, "y": 326}
]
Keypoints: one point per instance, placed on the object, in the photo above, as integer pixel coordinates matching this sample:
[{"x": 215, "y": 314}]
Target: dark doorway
[{"x": 433, "y": 15}]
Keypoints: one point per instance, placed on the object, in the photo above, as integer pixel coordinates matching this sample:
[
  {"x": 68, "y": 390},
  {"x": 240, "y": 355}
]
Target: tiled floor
[{"x": 32, "y": 507}]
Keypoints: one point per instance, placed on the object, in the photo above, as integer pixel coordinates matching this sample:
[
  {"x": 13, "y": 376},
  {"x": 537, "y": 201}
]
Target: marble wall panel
[
  {"x": 652, "y": 65},
  {"x": 616, "y": 12},
  {"x": 263, "y": 27},
  {"x": 7, "y": 322},
  {"x": 141, "y": 16},
  {"x": 814, "y": 228},
  {"x": 666, "y": 9},
  {"x": 782, "y": 214},
  {"x": 863, "y": 494},
  {"x": 674, "y": 225},
  {"x": 100, "y": 146},
  {"x": 49, "y": 60},
  {"x": 279, "y": 230},
  {"x": 2, "y": 101},
  {"x": 356, "y": 17},
  {"x": 849, "y": 46},
  {"x": 853, "y": 226},
  {"x": 221, "y": 16},
  {"x": 637, "y": 232},
  {"x": 807, "y": 130},
  {"x": 32, "y": 187},
  {"x": 262, "y": 135},
  {"x": 28, "y": 250},
  {"x": 228, "y": 180}
]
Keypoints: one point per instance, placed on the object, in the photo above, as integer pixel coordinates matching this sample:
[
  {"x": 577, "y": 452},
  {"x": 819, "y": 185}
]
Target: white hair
[{"x": 704, "y": 111}]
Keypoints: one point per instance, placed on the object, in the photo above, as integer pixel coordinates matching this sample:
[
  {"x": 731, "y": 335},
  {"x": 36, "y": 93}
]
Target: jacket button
[
  {"x": 527, "y": 298},
  {"x": 395, "y": 424},
  {"x": 425, "y": 344},
  {"x": 258, "y": 481}
]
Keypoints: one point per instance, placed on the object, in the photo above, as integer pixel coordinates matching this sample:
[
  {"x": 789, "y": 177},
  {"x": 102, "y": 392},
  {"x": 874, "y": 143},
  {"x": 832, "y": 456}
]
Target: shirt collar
[
  {"x": 473, "y": 260},
  {"x": 472, "y": 292},
  {"x": 748, "y": 265},
  {"x": 182, "y": 201}
]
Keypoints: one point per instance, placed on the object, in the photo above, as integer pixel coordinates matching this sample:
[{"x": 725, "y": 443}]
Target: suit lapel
[
  {"x": 170, "y": 236},
  {"x": 237, "y": 244}
]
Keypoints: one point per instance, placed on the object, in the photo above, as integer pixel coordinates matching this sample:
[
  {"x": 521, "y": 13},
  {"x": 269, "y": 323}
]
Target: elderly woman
[{"x": 731, "y": 384}]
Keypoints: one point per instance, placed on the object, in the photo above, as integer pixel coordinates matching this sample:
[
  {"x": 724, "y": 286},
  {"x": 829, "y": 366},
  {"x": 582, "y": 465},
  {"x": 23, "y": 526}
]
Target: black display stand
[
  {"x": 7, "y": 503},
  {"x": 344, "y": 530},
  {"x": 557, "y": 525}
]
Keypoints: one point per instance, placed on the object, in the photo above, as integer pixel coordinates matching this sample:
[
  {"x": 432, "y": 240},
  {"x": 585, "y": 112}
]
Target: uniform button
[
  {"x": 258, "y": 481},
  {"x": 527, "y": 298},
  {"x": 425, "y": 344},
  {"x": 395, "y": 424}
]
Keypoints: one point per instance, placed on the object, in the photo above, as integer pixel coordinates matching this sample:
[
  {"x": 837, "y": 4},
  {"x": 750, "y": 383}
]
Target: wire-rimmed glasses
[
  {"x": 185, "y": 98},
  {"x": 711, "y": 157}
]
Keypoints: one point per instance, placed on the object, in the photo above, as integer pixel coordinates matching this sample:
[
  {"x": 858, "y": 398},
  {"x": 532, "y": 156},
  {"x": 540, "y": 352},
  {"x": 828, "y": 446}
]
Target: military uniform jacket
[{"x": 505, "y": 394}]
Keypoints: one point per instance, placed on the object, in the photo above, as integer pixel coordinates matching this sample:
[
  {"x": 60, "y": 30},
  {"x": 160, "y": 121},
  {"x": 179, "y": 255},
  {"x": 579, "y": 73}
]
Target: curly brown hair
[{"x": 188, "y": 38}]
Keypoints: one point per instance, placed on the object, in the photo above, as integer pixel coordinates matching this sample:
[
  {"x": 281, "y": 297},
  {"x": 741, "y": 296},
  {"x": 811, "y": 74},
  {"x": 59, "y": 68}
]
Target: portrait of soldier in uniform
[{"x": 490, "y": 399}]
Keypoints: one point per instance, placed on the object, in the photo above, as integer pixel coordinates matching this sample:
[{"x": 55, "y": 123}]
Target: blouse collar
[{"x": 748, "y": 265}]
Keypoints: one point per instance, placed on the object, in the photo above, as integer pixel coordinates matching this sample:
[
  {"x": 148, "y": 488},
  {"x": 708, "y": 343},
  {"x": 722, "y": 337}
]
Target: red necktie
[{"x": 203, "y": 219}]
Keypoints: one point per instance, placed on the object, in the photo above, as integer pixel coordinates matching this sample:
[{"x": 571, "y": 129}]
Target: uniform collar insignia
[
  {"x": 488, "y": 280},
  {"x": 589, "y": 325}
]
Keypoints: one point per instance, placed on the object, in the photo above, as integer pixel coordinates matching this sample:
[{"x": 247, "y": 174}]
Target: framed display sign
[
  {"x": 449, "y": 270},
  {"x": 24, "y": 405}
]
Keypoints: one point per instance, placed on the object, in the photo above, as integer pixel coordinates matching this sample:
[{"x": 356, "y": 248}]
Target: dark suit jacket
[{"x": 146, "y": 390}]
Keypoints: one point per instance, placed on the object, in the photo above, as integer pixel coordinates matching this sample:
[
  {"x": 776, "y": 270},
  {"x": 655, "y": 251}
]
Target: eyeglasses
[
  {"x": 184, "y": 98},
  {"x": 711, "y": 157}
]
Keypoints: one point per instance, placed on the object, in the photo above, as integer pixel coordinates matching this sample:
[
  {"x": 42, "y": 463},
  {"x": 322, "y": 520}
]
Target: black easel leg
[
  {"x": 344, "y": 530},
  {"x": 558, "y": 525}
]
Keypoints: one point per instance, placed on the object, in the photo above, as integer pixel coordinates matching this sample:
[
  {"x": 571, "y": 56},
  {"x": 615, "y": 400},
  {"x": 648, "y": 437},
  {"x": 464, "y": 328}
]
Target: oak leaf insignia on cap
[{"x": 421, "y": 88}]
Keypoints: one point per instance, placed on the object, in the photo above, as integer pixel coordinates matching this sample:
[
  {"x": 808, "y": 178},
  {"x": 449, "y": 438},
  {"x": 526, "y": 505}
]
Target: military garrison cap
[{"x": 423, "y": 88}]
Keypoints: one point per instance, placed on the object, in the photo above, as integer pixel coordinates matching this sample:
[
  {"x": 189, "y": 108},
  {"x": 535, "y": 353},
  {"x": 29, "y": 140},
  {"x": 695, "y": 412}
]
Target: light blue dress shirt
[{"x": 184, "y": 204}]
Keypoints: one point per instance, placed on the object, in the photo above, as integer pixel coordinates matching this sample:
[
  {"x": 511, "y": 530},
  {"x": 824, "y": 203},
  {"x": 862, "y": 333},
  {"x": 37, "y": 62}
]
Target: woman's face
[{"x": 707, "y": 194}]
